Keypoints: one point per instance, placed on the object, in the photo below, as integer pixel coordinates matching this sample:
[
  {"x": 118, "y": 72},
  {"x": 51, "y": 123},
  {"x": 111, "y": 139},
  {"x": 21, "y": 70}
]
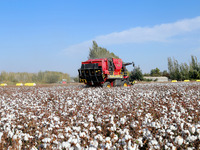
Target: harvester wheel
[
  {"x": 124, "y": 83},
  {"x": 107, "y": 84}
]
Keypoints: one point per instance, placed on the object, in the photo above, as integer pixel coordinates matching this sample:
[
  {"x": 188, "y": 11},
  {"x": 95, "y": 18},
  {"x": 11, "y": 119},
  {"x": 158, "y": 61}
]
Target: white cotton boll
[
  {"x": 78, "y": 129},
  {"x": 57, "y": 126},
  {"x": 25, "y": 137},
  {"x": 25, "y": 125},
  {"x": 90, "y": 117},
  {"x": 39, "y": 135},
  {"x": 108, "y": 145},
  {"x": 85, "y": 125},
  {"x": 4, "y": 119},
  {"x": 50, "y": 128},
  {"x": 192, "y": 138},
  {"x": 174, "y": 148},
  {"x": 14, "y": 137},
  {"x": 92, "y": 128},
  {"x": 134, "y": 147},
  {"x": 169, "y": 131},
  {"x": 82, "y": 134},
  {"x": 55, "y": 142},
  {"x": 128, "y": 137},
  {"x": 99, "y": 136},
  {"x": 173, "y": 128},
  {"x": 169, "y": 144},
  {"x": 113, "y": 128},
  {"x": 56, "y": 118},
  {"x": 154, "y": 142},
  {"x": 75, "y": 141},
  {"x": 182, "y": 110},
  {"x": 10, "y": 134},
  {"x": 173, "y": 107},
  {"x": 166, "y": 147},
  {"x": 198, "y": 131},
  {"x": 145, "y": 120},
  {"x": 94, "y": 143},
  {"x": 20, "y": 144},
  {"x": 33, "y": 148},
  {"x": 178, "y": 114},
  {"x": 192, "y": 129},
  {"x": 153, "y": 124},
  {"x": 46, "y": 140},
  {"x": 112, "y": 119},
  {"x": 19, "y": 127},
  {"x": 1, "y": 134},
  {"x": 179, "y": 140},
  {"x": 108, "y": 139},
  {"x": 189, "y": 148},
  {"x": 129, "y": 144},
  {"x": 61, "y": 136},
  {"x": 99, "y": 128},
  {"x": 115, "y": 138},
  {"x": 122, "y": 120},
  {"x": 91, "y": 148},
  {"x": 99, "y": 120},
  {"x": 66, "y": 145},
  {"x": 140, "y": 141},
  {"x": 197, "y": 126},
  {"x": 162, "y": 121},
  {"x": 182, "y": 125},
  {"x": 78, "y": 146},
  {"x": 67, "y": 129}
]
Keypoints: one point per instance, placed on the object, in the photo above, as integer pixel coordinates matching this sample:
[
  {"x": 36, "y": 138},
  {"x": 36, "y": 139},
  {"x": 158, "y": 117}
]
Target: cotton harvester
[{"x": 106, "y": 72}]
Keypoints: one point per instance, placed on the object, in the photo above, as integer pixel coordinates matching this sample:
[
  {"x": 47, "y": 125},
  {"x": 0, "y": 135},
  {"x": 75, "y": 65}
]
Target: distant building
[{"x": 157, "y": 79}]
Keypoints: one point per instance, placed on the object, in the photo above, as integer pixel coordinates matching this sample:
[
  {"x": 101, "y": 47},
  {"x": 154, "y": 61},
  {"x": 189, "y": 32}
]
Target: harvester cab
[{"x": 106, "y": 72}]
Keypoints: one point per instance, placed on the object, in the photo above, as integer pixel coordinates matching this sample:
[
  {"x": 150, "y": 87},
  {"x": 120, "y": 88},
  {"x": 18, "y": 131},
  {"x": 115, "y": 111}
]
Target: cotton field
[{"x": 143, "y": 116}]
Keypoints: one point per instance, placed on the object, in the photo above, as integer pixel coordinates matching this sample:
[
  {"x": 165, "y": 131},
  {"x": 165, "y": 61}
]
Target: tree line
[
  {"x": 40, "y": 77},
  {"x": 184, "y": 71},
  {"x": 176, "y": 71}
]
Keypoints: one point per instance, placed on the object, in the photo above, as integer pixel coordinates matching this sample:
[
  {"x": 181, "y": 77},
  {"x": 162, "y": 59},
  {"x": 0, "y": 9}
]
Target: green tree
[
  {"x": 52, "y": 78},
  {"x": 41, "y": 77},
  {"x": 3, "y": 76},
  {"x": 194, "y": 72},
  {"x": 155, "y": 72},
  {"x": 165, "y": 73},
  {"x": 99, "y": 52},
  {"x": 136, "y": 74},
  {"x": 174, "y": 70},
  {"x": 184, "y": 71},
  {"x": 194, "y": 64}
]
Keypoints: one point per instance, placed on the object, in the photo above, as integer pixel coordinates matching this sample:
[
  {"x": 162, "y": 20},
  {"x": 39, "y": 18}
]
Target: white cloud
[
  {"x": 157, "y": 33},
  {"x": 77, "y": 48}
]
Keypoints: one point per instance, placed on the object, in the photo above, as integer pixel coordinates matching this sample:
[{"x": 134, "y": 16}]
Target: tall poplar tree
[{"x": 99, "y": 52}]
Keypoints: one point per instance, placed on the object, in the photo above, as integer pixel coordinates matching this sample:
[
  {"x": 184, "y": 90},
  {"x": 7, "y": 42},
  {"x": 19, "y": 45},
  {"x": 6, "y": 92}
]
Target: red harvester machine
[{"x": 104, "y": 72}]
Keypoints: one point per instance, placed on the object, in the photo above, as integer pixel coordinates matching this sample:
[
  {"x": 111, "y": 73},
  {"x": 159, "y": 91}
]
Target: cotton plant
[{"x": 152, "y": 116}]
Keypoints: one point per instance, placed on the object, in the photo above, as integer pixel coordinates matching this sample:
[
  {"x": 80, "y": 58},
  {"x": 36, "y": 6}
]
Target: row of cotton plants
[{"x": 143, "y": 116}]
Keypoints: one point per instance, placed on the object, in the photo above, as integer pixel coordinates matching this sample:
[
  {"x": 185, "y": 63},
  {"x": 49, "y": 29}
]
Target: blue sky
[{"x": 40, "y": 35}]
